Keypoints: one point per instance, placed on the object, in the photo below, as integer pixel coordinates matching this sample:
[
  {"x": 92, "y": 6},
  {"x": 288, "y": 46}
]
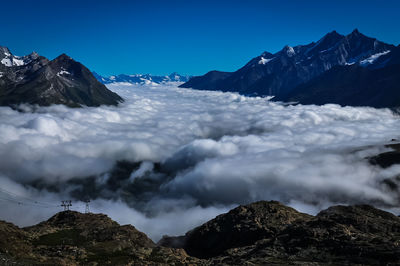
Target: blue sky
[{"x": 189, "y": 37}]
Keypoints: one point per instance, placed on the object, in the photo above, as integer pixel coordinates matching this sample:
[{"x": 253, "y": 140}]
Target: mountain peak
[
  {"x": 258, "y": 232},
  {"x": 63, "y": 57},
  {"x": 299, "y": 64},
  {"x": 142, "y": 78},
  {"x": 289, "y": 50},
  {"x": 34, "y": 54},
  {"x": 4, "y": 50},
  {"x": 73, "y": 218},
  {"x": 266, "y": 54},
  {"x": 333, "y": 34},
  {"x": 73, "y": 238},
  {"x": 70, "y": 82},
  {"x": 329, "y": 40},
  {"x": 31, "y": 56},
  {"x": 257, "y": 220},
  {"x": 356, "y": 34}
]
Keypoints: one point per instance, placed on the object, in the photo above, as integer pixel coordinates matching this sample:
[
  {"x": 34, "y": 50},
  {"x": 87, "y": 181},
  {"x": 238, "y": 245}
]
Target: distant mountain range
[
  {"x": 142, "y": 78},
  {"x": 349, "y": 70},
  {"x": 34, "y": 79}
]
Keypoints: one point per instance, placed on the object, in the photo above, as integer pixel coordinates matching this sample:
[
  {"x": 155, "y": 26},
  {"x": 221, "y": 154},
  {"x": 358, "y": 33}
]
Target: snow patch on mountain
[
  {"x": 143, "y": 79},
  {"x": 17, "y": 61},
  {"x": 6, "y": 61},
  {"x": 11, "y": 60},
  {"x": 264, "y": 61},
  {"x": 63, "y": 72},
  {"x": 290, "y": 51},
  {"x": 373, "y": 58}
]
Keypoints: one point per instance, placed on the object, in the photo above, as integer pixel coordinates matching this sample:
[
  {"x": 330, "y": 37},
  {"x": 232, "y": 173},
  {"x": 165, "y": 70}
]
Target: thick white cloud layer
[{"x": 215, "y": 150}]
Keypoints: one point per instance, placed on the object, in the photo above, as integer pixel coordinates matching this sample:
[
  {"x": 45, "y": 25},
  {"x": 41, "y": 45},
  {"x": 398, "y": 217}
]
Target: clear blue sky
[{"x": 189, "y": 37}]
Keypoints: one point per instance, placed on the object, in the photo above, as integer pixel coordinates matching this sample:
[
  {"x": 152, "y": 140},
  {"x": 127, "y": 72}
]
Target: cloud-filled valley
[{"x": 168, "y": 159}]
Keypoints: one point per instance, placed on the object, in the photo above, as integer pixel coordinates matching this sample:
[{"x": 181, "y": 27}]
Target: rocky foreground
[{"x": 261, "y": 233}]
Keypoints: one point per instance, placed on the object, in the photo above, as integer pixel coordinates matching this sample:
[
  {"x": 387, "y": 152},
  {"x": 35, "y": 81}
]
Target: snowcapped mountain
[
  {"x": 142, "y": 78},
  {"x": 9, "y": 60},
  {"x": 280, "y": 73},
  {"x": 34, "y": 79},
  {"x": 374, "y": 81}
]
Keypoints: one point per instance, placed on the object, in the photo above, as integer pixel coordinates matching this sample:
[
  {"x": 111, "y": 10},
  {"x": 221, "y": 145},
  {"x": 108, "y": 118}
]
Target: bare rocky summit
[
  {"x": 269, "y": 233},
  {"x": 241, "y": 226},
  {"x": 261, "y": 233},
  {"x": 73, "y": 238}
]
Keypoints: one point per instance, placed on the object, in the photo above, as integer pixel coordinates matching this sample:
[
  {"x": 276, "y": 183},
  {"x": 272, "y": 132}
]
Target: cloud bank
[{"x": 169, "y": 159}]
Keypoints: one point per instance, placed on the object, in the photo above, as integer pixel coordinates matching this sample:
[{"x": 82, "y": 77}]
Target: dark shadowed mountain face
[
  {"x": 209, "y": 81},
  {"x": 142, "y": 78},
  {"x": 280, "y": 73},
  {"x": 33, "y": 79},
  {"x": 351, "y": 85}
]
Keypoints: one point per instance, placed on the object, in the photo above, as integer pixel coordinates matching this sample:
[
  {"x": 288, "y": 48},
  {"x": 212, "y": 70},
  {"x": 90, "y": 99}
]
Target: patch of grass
[
  {"x": 63, "y": 237},
  {"x": 156, "y": 256},
  {"x": 120, "y": 257}
]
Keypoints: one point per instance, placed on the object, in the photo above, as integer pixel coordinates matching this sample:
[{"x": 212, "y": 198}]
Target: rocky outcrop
[
  {"x": 34, "y": 79},
  {"x": 72, "y": 238},
  {"x": 388, "y": 158},
  {"x": 269, "y": 233},
  {"x": 261, "y": 233},
  {"x": 240, "y": 227},
  {"x": 14, "y": 244}
]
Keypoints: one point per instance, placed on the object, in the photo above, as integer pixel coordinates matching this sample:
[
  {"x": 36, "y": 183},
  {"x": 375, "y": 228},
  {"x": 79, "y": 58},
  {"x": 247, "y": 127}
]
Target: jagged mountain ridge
[
  {"x": 142, "y": 78},
  {"x": 260, "y": 233},
  {"x": 377, "y": 85},
  {"x": 33, "y": 79},
  {"x": 8, "y": 59},
  {"x": 280, "y": 73},
  {"x": 73, "y": 238}
]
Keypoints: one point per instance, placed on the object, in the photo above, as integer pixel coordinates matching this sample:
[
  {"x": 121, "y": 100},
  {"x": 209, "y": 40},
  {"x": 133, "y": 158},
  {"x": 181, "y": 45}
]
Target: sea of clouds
[{"x": 198, "y": 154}]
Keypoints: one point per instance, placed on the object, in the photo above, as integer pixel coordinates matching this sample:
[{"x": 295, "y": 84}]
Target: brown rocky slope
[
  {"x": 73, "y": 238},
  {"x": 269, "y": 233},
  {"x": 261, "y": 233}
]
